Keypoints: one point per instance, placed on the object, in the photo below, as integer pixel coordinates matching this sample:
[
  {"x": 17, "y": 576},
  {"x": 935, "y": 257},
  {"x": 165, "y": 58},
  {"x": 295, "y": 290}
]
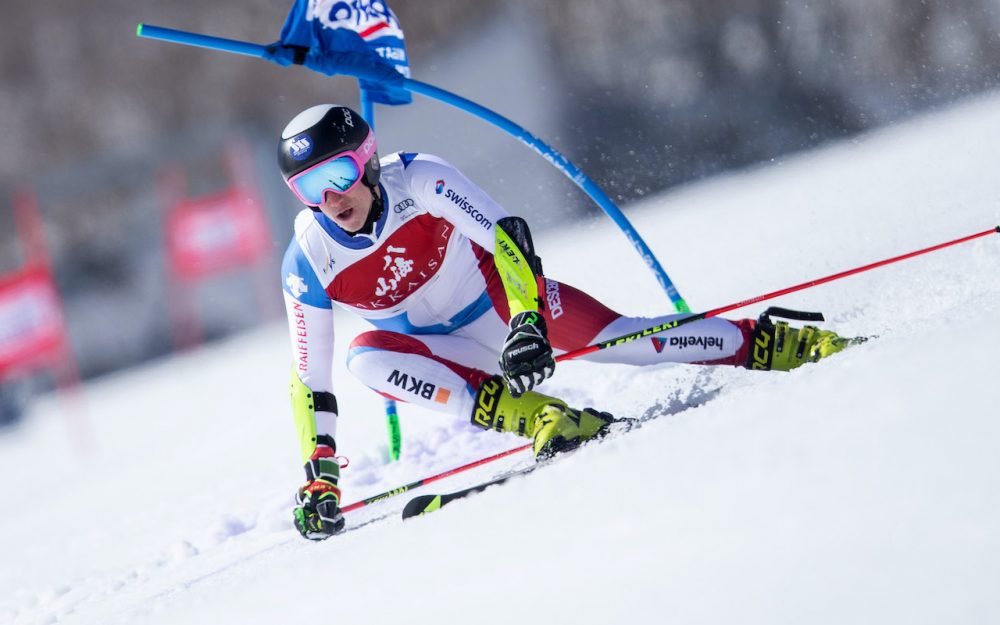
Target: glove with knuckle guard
[
  {"x": 526, "y": 359},
  {"x": 317, "y": 511}
]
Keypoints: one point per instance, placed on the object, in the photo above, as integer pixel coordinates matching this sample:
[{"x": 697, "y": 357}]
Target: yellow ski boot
[
  {"x": 554, "y": 426},
  {"x": 780, "y": 347}
]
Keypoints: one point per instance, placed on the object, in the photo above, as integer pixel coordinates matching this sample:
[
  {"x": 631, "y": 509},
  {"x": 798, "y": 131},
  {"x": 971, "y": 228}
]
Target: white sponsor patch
[{"x": 553, "y": 298}]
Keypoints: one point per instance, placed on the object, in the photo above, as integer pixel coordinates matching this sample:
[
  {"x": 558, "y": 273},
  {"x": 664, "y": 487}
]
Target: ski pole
[
  {"x": 670, "y": 325},
  {"x": 434, "y": 478}
]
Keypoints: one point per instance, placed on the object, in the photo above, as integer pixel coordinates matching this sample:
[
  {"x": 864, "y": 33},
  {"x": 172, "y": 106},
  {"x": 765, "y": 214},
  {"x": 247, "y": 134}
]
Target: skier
[{"x": 450, "y": 281}]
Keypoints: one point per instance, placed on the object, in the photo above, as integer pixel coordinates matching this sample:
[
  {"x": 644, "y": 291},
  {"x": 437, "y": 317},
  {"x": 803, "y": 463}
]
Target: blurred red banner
[
  {"x": 214, "y": 233},
  {"x": 32, "y": 332}
]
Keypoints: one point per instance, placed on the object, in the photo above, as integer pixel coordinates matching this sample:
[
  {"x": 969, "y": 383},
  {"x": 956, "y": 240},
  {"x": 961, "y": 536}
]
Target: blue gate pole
[
  {"x": 553, "y": 156},
  {"x": 563, "y": 164},
  {"x": 367, "y": 108}
]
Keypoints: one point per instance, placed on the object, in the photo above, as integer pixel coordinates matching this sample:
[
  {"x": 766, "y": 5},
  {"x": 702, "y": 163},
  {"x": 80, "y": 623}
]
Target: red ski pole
[
  {"x": 670, "y": 325},
  {"x": 627, "y": 338},
  {"x": 427, "y": 480}
]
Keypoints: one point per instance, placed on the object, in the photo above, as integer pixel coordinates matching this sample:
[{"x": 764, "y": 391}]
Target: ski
[{"x": 422, "y": 504}]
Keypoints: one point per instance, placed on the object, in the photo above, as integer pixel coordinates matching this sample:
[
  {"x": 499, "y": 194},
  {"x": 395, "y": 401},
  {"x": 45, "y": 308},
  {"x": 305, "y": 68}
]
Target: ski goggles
[{"x": 340, "y": 173}]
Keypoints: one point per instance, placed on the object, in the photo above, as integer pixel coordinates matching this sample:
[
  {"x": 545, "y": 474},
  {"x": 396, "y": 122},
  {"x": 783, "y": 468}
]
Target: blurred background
[{"x": 106, "y": 138}]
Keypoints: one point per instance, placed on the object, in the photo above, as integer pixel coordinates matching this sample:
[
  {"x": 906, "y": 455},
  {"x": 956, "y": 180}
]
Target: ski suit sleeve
[
  {"x": 447, "y": 193},
  {"x": 310, "y": 324}
]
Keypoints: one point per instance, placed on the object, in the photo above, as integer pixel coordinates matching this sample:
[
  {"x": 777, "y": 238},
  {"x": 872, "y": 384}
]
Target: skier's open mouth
[{"x": 346, "y": 214}]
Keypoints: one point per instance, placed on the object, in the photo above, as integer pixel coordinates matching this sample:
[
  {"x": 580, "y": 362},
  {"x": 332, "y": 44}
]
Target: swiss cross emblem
[{"x": 296, "y": 285}]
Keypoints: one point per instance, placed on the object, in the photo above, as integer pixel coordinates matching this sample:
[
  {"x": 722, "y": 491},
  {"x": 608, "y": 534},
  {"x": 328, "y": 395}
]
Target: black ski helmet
[{"x": 320, "y": 132}]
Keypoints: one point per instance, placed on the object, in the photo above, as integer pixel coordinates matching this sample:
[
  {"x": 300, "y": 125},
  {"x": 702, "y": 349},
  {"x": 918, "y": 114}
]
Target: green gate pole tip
[
  {"x": 395, "y": 434},
  {"x": 138, "y": 30}
]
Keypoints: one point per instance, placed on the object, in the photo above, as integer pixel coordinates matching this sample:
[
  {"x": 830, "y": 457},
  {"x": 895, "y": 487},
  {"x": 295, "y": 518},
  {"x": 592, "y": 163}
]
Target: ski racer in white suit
[{"x": 464, "y": 320}]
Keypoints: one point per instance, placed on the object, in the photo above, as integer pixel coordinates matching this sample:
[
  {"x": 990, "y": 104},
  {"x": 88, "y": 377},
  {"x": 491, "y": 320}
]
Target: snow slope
[{"x": 865, "y": 489}]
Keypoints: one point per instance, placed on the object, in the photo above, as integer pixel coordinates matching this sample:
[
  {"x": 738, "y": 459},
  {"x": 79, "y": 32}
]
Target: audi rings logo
[{"x": 402, "y": 206}]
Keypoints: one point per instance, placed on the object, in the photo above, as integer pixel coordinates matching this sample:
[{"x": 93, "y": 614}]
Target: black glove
[{"x": 526, "y": 359}]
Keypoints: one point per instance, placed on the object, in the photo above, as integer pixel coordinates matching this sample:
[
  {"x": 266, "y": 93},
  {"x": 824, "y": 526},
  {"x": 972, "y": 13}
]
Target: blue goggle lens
[{"x": 340, "y": 174}]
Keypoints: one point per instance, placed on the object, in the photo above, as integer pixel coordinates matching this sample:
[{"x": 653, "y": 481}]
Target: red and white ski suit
[{"x": 425, "y": 279}]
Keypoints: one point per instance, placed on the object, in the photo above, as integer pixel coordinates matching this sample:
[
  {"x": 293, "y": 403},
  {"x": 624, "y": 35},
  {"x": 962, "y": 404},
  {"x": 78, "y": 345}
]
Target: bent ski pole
[
  {"x": 427, "y": 480},
  {"x": 550, "y": 154},
  {"x": 670, "y": 325}
]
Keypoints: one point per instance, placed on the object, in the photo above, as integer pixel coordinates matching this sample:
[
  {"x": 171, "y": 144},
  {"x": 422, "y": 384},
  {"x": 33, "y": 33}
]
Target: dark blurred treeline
[
  {"x": 656, "y": 92},
  {"x": 77, "y": 81},
  {"x": 661, "y": 92},
  {"x": 650, "y": 93}
]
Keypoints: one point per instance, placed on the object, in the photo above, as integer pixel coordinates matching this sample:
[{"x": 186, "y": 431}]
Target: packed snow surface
[{"x": 864, "y": 489}]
